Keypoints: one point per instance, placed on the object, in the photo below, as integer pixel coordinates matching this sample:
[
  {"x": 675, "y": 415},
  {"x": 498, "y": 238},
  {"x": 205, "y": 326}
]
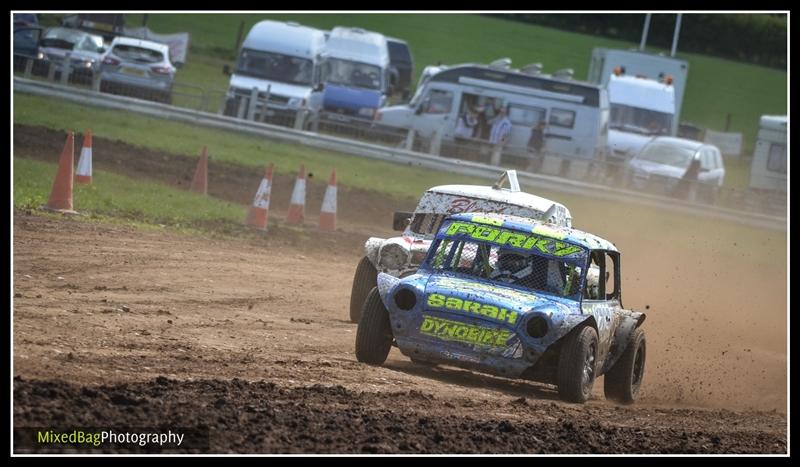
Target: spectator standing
[
  {"x": 501, "y": 130},
  {"x": 536, "y": 145}
]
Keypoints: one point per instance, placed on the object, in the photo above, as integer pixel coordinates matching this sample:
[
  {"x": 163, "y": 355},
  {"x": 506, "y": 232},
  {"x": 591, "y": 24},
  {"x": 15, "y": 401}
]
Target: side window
[
  {"x": 563, "y": 118},
  {"x": 593, "y": 287},
  {"x": 611, "y": 276},
  {"x": 438, "y": 102},
  {"x": 525, "y": 116},
  {"x": 776, "y": 161}
]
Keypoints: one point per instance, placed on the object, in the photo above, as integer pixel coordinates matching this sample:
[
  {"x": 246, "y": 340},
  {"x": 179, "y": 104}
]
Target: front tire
[
  {"x": 577, "y": 365},
  {"x": 623, "y": 380},
  {"x": 365, "y": 279},
  {"x": 374, "y": 334}
]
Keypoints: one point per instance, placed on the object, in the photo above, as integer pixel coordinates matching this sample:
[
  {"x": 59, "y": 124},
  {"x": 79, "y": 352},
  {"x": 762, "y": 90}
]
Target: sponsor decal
[
  {"x": 448, "y": 330},
  {"x": 481, "y": 287},
  {"x": 523, "y": 241},
  {"x": 439, "y": 301}
]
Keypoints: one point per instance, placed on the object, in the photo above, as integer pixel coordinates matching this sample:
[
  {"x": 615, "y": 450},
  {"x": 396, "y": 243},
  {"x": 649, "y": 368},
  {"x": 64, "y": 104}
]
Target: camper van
[
  {"x": 281, "y": 61},
  {"x": 357, "y": 74},
  {"x": 643, "y": 65},
  {"x": 641, "y": 109},
  {"x": 576, "y": 114},
  {"x": 770, "y": 158}
]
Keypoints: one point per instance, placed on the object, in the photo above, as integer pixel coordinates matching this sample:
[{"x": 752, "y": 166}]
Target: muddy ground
[{"x": 251, "y": 337}]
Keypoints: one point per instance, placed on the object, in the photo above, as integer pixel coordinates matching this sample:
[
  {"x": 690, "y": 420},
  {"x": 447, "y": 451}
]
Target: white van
[
  {"x": 576, "y": 114},
  {"x": 641, "y": 109},
  {"x": 281, "y": 60},
  {"x": 770, "y": 159},
  {"x": 357, "y": 74}
]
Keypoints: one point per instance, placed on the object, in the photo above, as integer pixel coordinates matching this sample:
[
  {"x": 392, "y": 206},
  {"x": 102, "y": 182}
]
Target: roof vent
[
  {"x": 532, "y": 69},
  {"x": 501, "y": 64},
  {"x": 292, "y": 23},
  {"x": 564, "y": 73}
]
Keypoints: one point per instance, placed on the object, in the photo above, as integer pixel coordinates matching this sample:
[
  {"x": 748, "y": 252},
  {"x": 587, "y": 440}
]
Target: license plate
[{"x": 134, "y": 71}]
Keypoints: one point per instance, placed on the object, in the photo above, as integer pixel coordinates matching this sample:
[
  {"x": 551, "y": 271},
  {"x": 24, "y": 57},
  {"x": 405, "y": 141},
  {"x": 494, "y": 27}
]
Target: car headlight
[
  {"x": 366, "y": 112},
  {"x": 393, "y": 256},
  {"x": 296, "y": 102},
  {"x": 40, "y": 56}
]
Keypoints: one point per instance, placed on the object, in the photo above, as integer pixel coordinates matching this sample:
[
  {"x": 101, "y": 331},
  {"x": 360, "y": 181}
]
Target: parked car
[
  {"x": 136, "y": 67},
  {"x": 514, "y": 297},
  {"x": 84, "y": 49},
  {"x": 401, "y": 256},
  {"x": 678, "y": 167},
  {"x": 26, "y": 45}
]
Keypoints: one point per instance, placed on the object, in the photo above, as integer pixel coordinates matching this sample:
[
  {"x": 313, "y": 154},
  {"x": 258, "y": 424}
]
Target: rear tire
[
  {"x": 365, "y": 279},
  {"x": 623, "y": 380},
  {"x": 374, "y": 334},
  {"x": 577, "y": 365}
]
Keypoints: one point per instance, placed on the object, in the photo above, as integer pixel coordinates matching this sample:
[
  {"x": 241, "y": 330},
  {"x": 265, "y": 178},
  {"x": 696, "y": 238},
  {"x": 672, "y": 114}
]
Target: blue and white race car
[{"x": 514, "y": 297}]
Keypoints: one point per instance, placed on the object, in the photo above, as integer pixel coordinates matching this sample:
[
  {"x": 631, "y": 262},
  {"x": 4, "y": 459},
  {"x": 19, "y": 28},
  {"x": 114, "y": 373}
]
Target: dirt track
[
  {"x": 105, "y": 305},
  {"x": 99, "y": 304}
]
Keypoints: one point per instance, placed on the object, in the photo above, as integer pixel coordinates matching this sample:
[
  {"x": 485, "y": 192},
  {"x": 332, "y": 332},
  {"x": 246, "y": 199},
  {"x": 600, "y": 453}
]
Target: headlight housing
[
  {"x": 366, "y": 112},
  {"x": 393, "y": 256}
]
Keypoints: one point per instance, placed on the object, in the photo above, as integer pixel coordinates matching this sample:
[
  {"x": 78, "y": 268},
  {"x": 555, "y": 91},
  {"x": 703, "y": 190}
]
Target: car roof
[
  {"x": 504, "y": 195},
  {"x": 120, "y": 40},
  {"x": 526, "y": 224},
  {"x": 680, "y": 142},
  {"x": 77, "y": 32}
]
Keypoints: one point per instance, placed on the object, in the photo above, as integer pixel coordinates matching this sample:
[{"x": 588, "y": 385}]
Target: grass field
[
  {"x": 715, "y": 89},
  {"x": 394, "y": 180},
  {"x": 118, "y": 197}
]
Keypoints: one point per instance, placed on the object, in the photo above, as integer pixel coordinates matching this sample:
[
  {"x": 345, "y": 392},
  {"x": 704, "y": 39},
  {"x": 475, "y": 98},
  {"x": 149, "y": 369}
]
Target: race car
[
  {"x": 400, "y": 256},
  {"x": 514, "y": 297}
]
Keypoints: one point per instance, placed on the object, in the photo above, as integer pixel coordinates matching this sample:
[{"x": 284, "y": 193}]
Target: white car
[
  {"x": 678, "y": 167},
  {"x": 401, "y": 256},
  {"x": 85, "y": 50},
  {"x": 138, "y": 67}
]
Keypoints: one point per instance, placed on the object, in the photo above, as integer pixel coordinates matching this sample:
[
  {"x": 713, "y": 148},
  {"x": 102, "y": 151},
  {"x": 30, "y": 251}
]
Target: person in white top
[{"x": 501, "y": 128}]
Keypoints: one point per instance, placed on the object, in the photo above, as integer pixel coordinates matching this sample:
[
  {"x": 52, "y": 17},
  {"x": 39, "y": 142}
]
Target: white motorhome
[
  {"x": 648, "y": 65},
  {"x": 576, "y": 114},
  {"x": 641, "y": 109},
  {"x": 280, "y": 60},
  {"x": 357, "y": 74},
  {"x": 770, "y": 158}
]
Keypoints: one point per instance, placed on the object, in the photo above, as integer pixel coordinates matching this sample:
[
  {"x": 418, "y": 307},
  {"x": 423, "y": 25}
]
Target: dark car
[{"x": 400, "y": 58}]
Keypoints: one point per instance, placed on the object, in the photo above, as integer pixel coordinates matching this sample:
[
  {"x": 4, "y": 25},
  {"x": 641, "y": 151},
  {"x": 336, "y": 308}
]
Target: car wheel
[
  {"x": 365, "y": 279},
  {"x": 374, "y": 334},
  {"x": 577, "y": 365},
  {"x": 623, "y": 380}
]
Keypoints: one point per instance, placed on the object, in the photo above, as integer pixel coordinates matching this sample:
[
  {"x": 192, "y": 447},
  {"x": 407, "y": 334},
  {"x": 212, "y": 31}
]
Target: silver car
[
  {"x": 139, "y": 68},
  {"x": 679, "y": 167},
  {"x": 84, "y": 49}
]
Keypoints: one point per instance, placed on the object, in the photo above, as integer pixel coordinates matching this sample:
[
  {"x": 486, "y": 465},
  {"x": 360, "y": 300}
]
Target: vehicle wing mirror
[
  {"x": 226, "y": 70},
  {"x": 401, "y": 220}
]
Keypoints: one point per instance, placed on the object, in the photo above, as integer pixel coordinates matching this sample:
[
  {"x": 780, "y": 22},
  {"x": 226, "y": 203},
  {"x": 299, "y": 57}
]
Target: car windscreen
[
  {"x": 137, "y": 54},
  {"x": 61, "y": 38},
  {"x": 508, "y": 257},
  {"x": 639, "y": 120},
  {"x": 666, "y": 154},
  {"x": 350, "y": 73},
  {"x": 275, "y": 67}
]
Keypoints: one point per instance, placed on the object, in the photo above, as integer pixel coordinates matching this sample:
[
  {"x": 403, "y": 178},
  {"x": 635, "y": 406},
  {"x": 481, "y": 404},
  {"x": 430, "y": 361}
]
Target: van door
[
  {"x": 434, "y": 113},
  {"x": 523, "y": 120}
]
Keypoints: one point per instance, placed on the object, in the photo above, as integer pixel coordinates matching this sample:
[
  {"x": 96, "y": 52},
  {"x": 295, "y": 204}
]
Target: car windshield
[
  {"x": 667, "y": 154},
  {"x": 638, "y": 120},
  {"x": 517, "y": 259},
  {"x": 62, "y": 38},
  {"x": 275, "y": 67},
  {"x": 137, "y": 54},
  {"x": 350, "y": 73}
]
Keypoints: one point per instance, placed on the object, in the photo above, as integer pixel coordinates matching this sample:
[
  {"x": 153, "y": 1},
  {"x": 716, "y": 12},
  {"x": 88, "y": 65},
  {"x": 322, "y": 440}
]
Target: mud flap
[{"x": 622, "y": 337}]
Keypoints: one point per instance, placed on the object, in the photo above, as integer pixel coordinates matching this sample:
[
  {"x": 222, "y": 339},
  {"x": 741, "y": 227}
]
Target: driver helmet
[{"x": 514, "y": 263}]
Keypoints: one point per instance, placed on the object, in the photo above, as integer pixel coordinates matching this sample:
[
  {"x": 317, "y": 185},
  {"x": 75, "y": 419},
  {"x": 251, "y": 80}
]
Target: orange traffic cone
[
  {"x": 61, "y": 194},
  {"x": 83, "y": 176},
  {"x": 297, "y": 206},
  {"x": 200, "y": 180},
  {"x": 327, "y": 218},
  {"x": 259, "y": 210}
]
